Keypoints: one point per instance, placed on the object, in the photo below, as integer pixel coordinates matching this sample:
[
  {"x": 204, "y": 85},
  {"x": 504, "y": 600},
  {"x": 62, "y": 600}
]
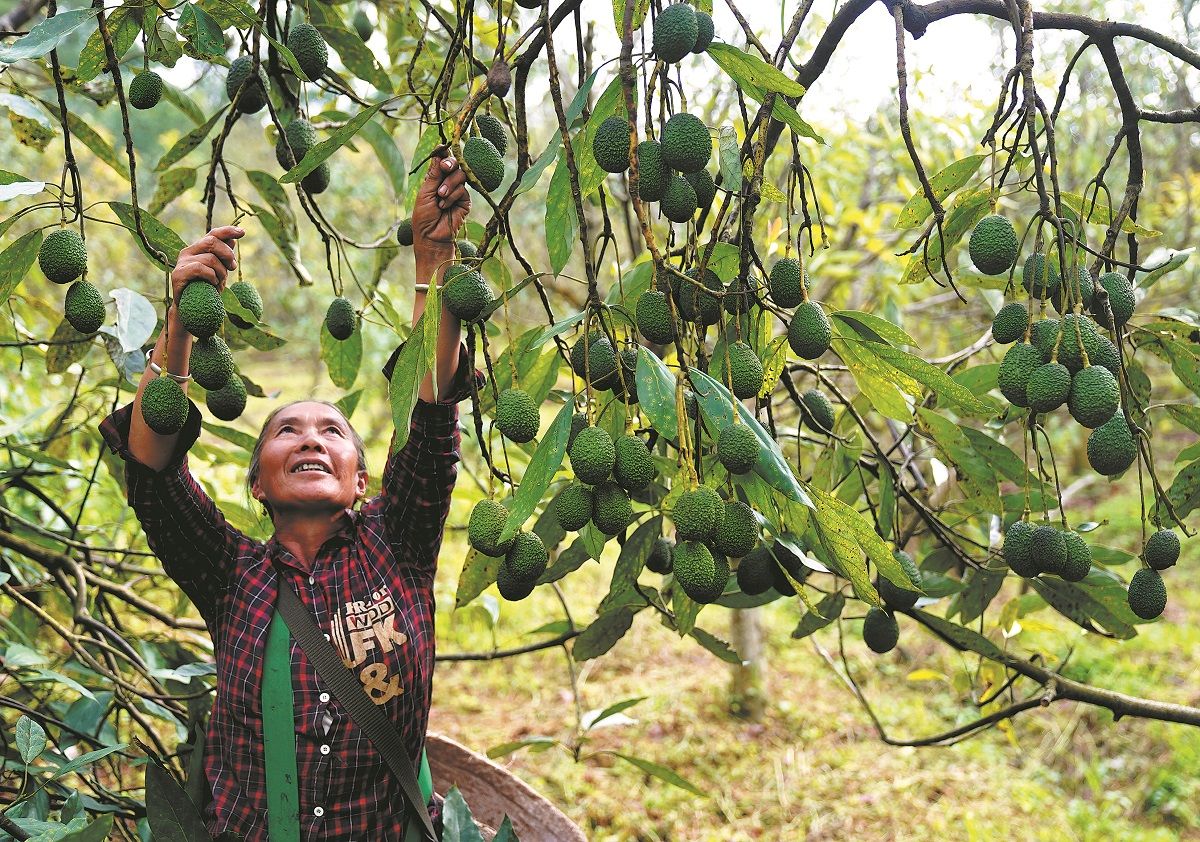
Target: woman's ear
[{"x": 360, "y": 485}]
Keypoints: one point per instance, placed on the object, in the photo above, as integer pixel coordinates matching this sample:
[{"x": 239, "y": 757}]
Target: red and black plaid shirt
[{"x": 370, "y": 587}]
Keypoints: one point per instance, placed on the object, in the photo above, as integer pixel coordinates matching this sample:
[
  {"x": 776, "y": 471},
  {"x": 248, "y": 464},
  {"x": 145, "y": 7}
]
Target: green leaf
[
  {"x": 538, "y": 744},
  {"x": 203, "y": 35},
  {"x": 389, "y": 155},
  {"x": 459, "y": 825},
  {"x": 86, "y": 759},
  {"x": 348, "y": 403},
  {"x": 46, "y": 35},
  {"x": 284, "y": 238},
  {"x": 918, "y": 208},
  {"x": 31, "y": 739},
  {"x": 159, "y": 235},
  {"x": 661, "y": 772},
  {"x": 686, "y": 611},
  {"x": 961, "y": 638},
  {"x": 717, "y": 646},
  {"x": 171, "y": 185},
  {"x": 828, "y": 610},
  {"x": 97, "y": 831},
  {"x": 729, "y": 162},
  {"x": 319, "y": 153},
  {"x": 640, "y": 7},
  {"x": 1100, "y": 598},
  {"x": 630, "y": 563},
  {"x": 187, "y": 143},
  {"x": 749, "y": 69},
  {"x": 781, "y": 111},
  {"x": 603, "y": 634},
  {"x": 656, "y": 393},
  {"x": 229, "y": 13},
  {"x": 975, "y": 475},
  {"x": 410, "y": 370},
  {"x": 568, "y": 561},
  {"x": 932, "y": 377},
  {"x": 981, "y": 587},
  {"x": 1101, "y": 213},
  {"x": 872, "y": 328},
  {"x": 562, "y": 223},
  {"x": 82, "y": 130},
  {"x": 123, "y": 25},
  {"x": 875, "y": 380},
  {"x": 170, "y": 813},
  {"x": 356, "y": 56},
  {"x": 243, "y": 440},
  {"x": 479, "y": 571},
  {"x": 1173, "y": 262},
  {"x": 16, "y": 260},
  {"x": 542, "y": 468},
  {"x": 717, "y": 404},
  {"x": 843, "y": 531},
  {"x": 162, "y": 47},
  {"x": 613, "y": 710},
  {"x": 69, "y": 346},
  {"x": 276, "y": 197},
  {"x": 257, "y": 338},
  {"x": 342, "y": 357},
  {"x": 1001, "y": 458},
  {"x": 429, "y": 140}
]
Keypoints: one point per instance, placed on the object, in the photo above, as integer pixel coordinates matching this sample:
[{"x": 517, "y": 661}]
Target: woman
[{"x": 367, "y": 573}]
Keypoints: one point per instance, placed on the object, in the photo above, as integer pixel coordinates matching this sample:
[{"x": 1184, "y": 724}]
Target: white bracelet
[
  {"x": 178, "y": 378},
  {"x": 421, "y": 288}
]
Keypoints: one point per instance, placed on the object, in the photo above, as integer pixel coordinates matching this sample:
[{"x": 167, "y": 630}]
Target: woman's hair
[{"x": 256, "y": 455}]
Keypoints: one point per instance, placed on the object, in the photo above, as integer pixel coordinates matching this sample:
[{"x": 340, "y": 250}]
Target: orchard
[{"x": 872, "y": 384}]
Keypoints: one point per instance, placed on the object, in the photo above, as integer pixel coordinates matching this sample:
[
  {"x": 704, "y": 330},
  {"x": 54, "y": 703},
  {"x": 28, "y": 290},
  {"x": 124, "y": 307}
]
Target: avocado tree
[{"x": 679, "y": 379}]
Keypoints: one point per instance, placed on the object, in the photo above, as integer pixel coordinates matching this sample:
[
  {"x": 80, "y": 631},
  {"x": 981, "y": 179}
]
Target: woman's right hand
[{"x": 209, "y": 259}]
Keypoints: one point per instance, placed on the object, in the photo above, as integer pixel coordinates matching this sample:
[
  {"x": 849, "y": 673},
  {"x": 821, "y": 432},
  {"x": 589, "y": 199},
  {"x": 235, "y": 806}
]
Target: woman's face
[{"x": 308, "y": 462}]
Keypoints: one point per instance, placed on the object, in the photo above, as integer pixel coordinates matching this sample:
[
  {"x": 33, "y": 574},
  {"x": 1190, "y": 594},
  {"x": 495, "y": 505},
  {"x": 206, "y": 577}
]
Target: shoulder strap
[
  {"x": 279, "y": 735},
  {"x": 348, "y": 690}
]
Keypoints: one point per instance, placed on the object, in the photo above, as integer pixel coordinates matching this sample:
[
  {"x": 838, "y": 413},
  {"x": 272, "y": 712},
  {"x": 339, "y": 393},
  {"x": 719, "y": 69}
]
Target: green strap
[
  {"x": 279, "y": 736},
  {"x": 279, "y": 739}
]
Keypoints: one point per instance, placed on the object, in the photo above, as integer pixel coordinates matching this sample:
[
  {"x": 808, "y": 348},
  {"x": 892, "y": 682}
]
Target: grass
[{"x": 814, "y": 768}]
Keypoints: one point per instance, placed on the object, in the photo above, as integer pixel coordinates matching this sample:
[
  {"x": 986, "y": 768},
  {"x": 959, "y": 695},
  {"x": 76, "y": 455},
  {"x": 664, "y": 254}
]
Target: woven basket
[{"x": 492, "y": 791}]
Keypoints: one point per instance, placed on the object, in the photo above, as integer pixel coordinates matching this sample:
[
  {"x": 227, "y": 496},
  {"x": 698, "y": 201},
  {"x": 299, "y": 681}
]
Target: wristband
[{"x": 178, "y": 378}]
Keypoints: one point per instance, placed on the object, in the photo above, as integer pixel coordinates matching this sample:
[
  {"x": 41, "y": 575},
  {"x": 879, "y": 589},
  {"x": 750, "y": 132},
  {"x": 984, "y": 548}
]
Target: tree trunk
[{"x": 747, "y": 697}]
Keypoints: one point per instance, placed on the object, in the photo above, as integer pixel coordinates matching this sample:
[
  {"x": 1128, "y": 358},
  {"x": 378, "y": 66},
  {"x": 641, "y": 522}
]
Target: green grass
[{"x": 814, "y": 768}]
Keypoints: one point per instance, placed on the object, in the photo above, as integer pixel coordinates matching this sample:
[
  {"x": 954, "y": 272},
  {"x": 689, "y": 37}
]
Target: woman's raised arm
[{"x": 209, "y": 260}]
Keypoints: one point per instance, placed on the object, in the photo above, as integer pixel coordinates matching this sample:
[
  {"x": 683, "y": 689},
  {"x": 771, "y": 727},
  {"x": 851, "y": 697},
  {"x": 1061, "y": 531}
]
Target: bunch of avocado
[
  {"x": 483, "y": 153},
  {"x": 523, "y": 557},
  {"x": 1067, "y": 361},
  {"x": 671, "y": 171},
  {"x": 62, "y": 258},
  {"x": 211, "y": 365},
  {"x": 708, "y": 532}
]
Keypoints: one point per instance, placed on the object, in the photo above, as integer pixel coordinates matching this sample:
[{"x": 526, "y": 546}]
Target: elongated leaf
[
  {"x": 276, "y": 197},
  {"x": 203, "y": 36},
  {"x": 612, "y": 710},
  {"x": 321, "y": 152},
  {"x": 828, "y": 610},
  {"x": 783, "y": 112},
  {"x": 969, "y": 207},
  {"x": 229, "y": 13},
  {"x": 171, "y": 814},
  {"x": 630, "y": 563},
  {"x": 960, "y": 638},
  {"x": 390, "y": 156},
  {"x": 479, "y": 571},
  {"x": 945, "y": 182},
  {"x": 69, "y": 346},
  {"x": 459, "y": 826},
  {"x": 568, "y": 561},
  {"x": 562, "y": 223},
  {"x": 873, "y": 328},
  {"x": 717, "y": 646},
  {"x": 188, "y": 142},
  {"x": 136, "y": 318},
  {"x": 932, "y": 377},
  {"x": 981, "y": 588},
  {"x": 876, "y": 381},
  {"x": 640, "y": 7},
  {"x": 1102, "y": 213},
  {"x": 17, "y": 189},
  {"x": 603, "y": 634},
  {"x": 429, "y": 140},
  {"x": 159, "y": 235},
  {"x": 975, "y": 474},
  {"x": 356, "y": 56},
  {"x": 284, "y": 239},
  {"x": 542, "y": 468},
  {"x": 729, "y": 159},
  {"x": 46, "y": 35},
  {"x": 342, "y": 357},
  {"x": 171, "y": 185},
  {"x": 123, "y": 25},
  {"x": 662, "y": 773},
  {"x": 718, "y": 404},
  {"x": 83, "y": 130},
  {"x": 537, "y": 744},
  {"x": 848, "y": 536},
  {"x": 85, "y": 760},
  {"x": 16, "y": 260},
  {"x": 746, "y": 68},
  {"x": 411, "y": 367}
]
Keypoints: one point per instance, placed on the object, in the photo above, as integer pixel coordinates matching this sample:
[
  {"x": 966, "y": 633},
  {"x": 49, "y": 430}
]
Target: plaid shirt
[{"x": 370, "y": 587}]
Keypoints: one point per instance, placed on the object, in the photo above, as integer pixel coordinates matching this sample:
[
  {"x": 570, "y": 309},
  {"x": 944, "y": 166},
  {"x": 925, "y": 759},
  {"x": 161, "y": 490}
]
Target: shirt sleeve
[
  {"x": 419, "y": 478},
  {"x": 183, "y": 526}
]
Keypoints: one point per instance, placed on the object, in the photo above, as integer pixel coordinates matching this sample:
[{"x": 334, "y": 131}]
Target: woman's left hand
[{"x": 442, "y": 204}]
